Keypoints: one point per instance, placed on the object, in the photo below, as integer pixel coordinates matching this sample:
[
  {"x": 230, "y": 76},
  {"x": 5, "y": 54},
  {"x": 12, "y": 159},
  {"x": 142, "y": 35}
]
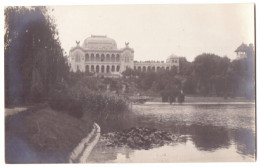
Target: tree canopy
[
  {"x": 207, "y": 75},
  {"x": 34, "y": 59}
]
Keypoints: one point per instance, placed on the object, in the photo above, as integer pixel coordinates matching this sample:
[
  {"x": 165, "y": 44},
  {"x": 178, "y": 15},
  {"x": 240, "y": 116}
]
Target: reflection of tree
[
  {"x": 204, "y": 137},
  {"x": 245, "y": 141},
  {"x": 118, "y": 125},
  {"x": 209, "y": 138},
  {"x": 125, "y": 151},
  {"x": 103, "y": 153}
]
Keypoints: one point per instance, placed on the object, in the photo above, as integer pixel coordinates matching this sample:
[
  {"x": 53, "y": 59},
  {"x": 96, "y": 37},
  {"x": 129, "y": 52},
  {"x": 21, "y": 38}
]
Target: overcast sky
[{"x": 157, "y": 31}]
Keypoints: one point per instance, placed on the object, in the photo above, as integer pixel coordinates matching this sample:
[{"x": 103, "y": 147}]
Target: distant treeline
[{"x": 207, "y": 75}]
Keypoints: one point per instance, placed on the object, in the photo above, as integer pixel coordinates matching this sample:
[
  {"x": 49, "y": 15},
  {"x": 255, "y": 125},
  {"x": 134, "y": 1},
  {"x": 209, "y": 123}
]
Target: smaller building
[
  {"x": 144, "y": 66},
  {"x": 244, "y": 51}
]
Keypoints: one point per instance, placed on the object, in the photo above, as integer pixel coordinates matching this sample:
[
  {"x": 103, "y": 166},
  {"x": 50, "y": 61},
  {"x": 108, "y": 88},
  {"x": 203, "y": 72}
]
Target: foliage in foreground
[
  {"x": 80, "y": 100},
  {"x": 34, "y": 59}
]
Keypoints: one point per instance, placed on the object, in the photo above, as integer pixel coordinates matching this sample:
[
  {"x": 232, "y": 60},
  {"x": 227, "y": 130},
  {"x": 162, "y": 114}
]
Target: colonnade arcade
[
  {"x": 151, "y": 68},
  {"x": 102, "y": 68},
  {"x": 102, "y": 57}
]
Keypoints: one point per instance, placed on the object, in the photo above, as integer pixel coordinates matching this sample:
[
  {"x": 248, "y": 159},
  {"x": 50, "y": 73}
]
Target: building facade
[{"x": 100, "y": 55}]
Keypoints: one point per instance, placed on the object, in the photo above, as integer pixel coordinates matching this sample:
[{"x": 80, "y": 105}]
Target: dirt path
[{"x": 15, "y": 110}]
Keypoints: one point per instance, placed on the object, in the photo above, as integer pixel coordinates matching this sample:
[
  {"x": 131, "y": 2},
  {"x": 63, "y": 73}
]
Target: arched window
[
  {"x": 117, "y": 58},
  {"x": 92, "y": 68},
  {"x": 102, "y": 57},
  {"x": 108, "y": 57},
  {"x": 97, "y": 57},
  {"x": 117, "y": 68},
  {"x": 86, "y": 68},
  {"x": 97, "y": 68},
  {"x": 139, "y": 68},
  {"x": 108, "y": 69},
  {"x": 113, "y": 69},
  {"x": 113, "y": 58},
  {"x": 92, "y": 58},
  {"x": 86, "y": 57},
  {"x": 102, "y": 69}
]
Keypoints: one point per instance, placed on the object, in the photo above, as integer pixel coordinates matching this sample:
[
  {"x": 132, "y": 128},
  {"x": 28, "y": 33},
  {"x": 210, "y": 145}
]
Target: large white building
[{"x": 99, "y": 54}]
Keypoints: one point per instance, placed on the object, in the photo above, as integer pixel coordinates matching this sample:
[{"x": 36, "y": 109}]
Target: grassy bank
[{"x": 42, "y": 136}]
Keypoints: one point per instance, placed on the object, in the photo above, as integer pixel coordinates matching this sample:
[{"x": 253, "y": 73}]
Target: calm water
[{"x": 206, "y": 132}]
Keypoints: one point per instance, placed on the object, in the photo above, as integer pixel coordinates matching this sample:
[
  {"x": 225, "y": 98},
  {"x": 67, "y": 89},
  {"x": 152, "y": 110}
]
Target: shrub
[
  {"x": 79, "y": 100},
  {"x": 62, "y": 100},
  {"x": 104, "y": 106}
]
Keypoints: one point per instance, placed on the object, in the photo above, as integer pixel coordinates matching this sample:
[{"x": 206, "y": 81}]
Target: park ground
[{"x": 41, "y": 135}]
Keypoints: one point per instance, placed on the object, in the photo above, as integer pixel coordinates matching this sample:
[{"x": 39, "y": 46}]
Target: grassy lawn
[{"x": 42, "y": 136}]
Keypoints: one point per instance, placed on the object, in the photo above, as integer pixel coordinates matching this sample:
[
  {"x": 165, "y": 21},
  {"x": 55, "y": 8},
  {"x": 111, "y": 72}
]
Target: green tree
[
  {"x": 211, "y": 74},
  {"x": 34, "y": 59},
  {"x": 186, "y": 67},
  {"x": 243, "y": 77}
]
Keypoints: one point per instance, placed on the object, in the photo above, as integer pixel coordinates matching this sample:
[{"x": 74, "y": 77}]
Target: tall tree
[
  {"x": 34, "y": 59},
  {"x": 210, "y": 73},
  {"x": 243, "y": 77},
  {"x": 186, "y": 67}
]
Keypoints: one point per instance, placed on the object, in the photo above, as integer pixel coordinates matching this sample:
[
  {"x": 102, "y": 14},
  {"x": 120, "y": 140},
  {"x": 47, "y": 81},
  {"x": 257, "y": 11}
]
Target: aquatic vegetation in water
[{"x": 138, "y": 138}]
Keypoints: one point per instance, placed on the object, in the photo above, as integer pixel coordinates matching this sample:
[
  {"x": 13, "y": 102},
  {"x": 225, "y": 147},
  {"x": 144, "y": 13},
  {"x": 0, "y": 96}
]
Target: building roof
[
  {"x": 242, "y": 48},
  {"x": 172, "y": 56},
  {"x": 99, "y": 42}
]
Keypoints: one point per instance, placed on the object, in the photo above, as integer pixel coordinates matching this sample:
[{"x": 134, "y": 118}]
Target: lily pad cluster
[{"x": 138, "y": 138}]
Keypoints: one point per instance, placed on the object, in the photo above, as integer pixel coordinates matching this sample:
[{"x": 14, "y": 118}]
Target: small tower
[{"x": 244, "y": 51}]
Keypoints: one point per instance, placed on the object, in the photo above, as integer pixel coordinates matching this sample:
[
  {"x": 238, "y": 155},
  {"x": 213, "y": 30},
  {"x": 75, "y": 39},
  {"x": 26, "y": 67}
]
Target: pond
[{"x": 207, "y": 132}]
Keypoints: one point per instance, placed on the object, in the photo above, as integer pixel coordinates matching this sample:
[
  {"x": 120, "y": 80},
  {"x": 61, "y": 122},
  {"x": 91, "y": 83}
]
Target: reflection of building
[
  {"x": 244, "y": 51},
  {"x": 100, "y": 54}
]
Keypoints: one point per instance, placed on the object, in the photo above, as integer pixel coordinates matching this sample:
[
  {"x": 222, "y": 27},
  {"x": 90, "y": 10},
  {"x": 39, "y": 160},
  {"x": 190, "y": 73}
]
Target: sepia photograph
[{"x": 129, "y": 83}]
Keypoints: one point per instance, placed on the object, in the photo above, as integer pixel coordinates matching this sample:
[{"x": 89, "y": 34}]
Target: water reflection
[
  {"x": 245, "y": 141},
  {"x": 102, "y": 153},
  {"x": 209, "y": 138},
  {"x": 208, "y": 130}
]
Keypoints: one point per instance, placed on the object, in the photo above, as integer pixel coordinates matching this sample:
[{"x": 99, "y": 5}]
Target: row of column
[
  {"x": 98, "y": 58},
  {"x": 102, "y": 68},
  {"x": 150, "y": 68}
]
